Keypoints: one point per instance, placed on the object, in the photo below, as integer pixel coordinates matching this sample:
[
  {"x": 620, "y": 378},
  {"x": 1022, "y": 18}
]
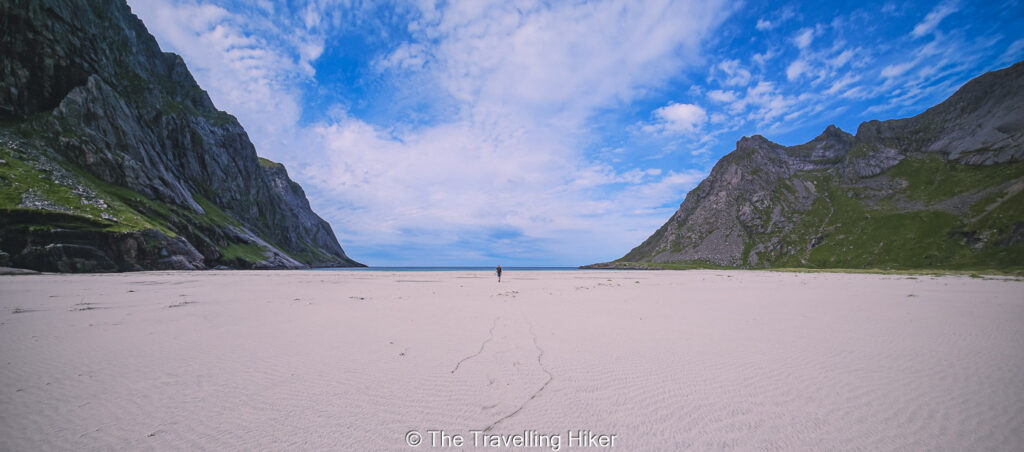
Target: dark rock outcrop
[
  {"x": 100, "y": 127},
  {"x": 940, "y": 189}
]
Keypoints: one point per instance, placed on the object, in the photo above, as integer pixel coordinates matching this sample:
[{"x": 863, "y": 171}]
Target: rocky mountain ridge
[
  {"x": 942, "y": 189},
  {"x": 113, "y": 158}
]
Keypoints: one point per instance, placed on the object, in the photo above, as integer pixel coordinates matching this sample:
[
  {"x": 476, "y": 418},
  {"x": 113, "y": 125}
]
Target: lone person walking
[{"x": 498, "y": 271}]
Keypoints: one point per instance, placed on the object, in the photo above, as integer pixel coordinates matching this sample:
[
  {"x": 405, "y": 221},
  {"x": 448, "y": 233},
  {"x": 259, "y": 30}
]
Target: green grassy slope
[
  {"x": 63, "y": 196},
  {"x": 912, "y": 228}
]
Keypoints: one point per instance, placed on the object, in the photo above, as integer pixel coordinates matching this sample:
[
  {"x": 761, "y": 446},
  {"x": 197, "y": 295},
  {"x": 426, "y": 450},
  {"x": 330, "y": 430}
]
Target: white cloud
[
  {"x": 718, "y": 95},
  {"x": 894, "y": 70},
  {"x": 842, "y": 83},
  {"x": 677, "y": 119},
  {"x": 840, "y": 60},
  {"x": 934, "y": 17},
  {"x": 311, "y": 15},
  {"x": 735, "y": 75},
  {"x": 767, "y": 103},
  {"x": 405, "y": 57},
  {"x": 804, "y": 38},
  {"x": 778, "y": 18},
  {"x": 796, "y": 69},
  {"x": 762, "y": 58},
  {"x": 1013, "y": 52}
]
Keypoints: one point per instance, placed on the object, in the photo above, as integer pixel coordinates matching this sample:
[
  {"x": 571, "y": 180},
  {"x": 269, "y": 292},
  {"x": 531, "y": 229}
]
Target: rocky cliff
[
  {"x": 939, "y": 190},
  {"x": 113, "y": 158}
]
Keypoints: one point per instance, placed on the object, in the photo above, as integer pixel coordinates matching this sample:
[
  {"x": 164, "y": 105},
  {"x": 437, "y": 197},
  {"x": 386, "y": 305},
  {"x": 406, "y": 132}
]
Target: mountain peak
[
  {"x": 754, "y": 142},
  {"x": 833, "y": 142},
  {"x": 833, "y": 131}
]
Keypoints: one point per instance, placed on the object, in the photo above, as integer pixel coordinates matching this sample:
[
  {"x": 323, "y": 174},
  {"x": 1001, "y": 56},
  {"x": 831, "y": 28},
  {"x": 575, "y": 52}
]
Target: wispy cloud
[
  {"x": 897, "y": 69},
  {"x": 931, "y": 21},
  {"x": 1014, "y": 52},
  {"x": 917, "y": 67},
  {"x": 804, "y": 38},
  {"x": 775, "y": 20},
  {"x": 733, "y": 73},
  {"x": 718, "y": 95},
  {"x": 796, "y": 69}
]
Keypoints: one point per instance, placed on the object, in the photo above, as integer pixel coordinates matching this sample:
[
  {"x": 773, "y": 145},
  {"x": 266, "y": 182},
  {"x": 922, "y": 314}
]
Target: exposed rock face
[
  {"x": 941, "y": 189},
  {"x": 115, "y": 159}
]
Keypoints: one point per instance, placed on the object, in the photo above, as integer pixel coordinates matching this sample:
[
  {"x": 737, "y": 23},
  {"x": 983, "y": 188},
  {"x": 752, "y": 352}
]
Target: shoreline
[{"x": 974, "y": 273}]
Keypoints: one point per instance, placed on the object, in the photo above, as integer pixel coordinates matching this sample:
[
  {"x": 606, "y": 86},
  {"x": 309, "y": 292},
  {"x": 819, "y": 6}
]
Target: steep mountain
[
  {"x": 942, "y": 189},
  {"x": 113, "y": 158}
]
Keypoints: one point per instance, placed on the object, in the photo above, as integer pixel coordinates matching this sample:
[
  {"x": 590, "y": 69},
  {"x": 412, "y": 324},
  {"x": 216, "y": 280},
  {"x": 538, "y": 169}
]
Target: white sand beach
[{"x": 670, "y": 360}]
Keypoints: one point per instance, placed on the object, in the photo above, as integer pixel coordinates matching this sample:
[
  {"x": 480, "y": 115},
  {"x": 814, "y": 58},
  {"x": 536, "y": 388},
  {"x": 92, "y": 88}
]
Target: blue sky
[{"x": 554, "y": 133}]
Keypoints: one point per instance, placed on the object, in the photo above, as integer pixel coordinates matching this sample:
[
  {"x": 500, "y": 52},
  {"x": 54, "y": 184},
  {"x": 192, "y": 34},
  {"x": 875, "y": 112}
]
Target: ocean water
[{"x": 441, "y": 269}]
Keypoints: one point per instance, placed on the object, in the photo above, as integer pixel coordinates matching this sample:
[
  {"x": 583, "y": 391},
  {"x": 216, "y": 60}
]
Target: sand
[{"x": 701, "y": 360}]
